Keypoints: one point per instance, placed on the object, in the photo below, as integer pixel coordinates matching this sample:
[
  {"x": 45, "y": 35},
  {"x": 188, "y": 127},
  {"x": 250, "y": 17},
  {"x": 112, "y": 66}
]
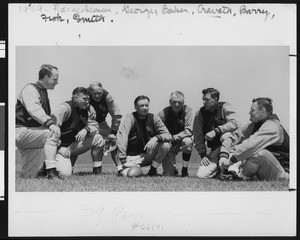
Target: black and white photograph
[{"x": 152, "y": 119}]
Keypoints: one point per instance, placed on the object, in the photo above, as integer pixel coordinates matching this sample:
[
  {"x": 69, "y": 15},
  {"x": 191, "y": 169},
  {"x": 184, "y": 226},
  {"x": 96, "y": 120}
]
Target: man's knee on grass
[
  {"x": 63, "y": 165},
  {"x": 250, "y": 168},
  {"x": 209, "y": 171}
]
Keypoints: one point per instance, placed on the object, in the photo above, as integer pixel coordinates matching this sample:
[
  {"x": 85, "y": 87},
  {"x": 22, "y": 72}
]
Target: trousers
[
  {"x": 31, "y": 142},
  {"x": 264, "y": 166},
  {"x": 158, "y": 155},
  {"x": 185, "y": 146},
  {"x": 228, "y": 139},
  {"x": 63, "y": 160}
]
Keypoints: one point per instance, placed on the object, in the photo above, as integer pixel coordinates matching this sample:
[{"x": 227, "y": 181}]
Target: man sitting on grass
[
  {"x": 143, "y": 138},
  {"x": 264, "y": 151},
  {"x": 78, "y": 133}
]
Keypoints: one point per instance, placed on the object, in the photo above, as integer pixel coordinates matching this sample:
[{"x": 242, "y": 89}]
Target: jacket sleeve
[
  {"x": 114, "y": 112},
  {"x": 122, "y": 136},
  {"x": 231, "y": 117},
  {"x": 61, "y": 114},
  {"x": 92, "y": 126},
  {"x": 92, "y": 112},
  {"x": 161, "y": 130},
  {"x": 267, "y": 135},
  {"x": 30, "y": 98},
  {"x": 198, "y": 134},
  {"x": 188, "y": 125},
  {"x": 247, "y": 130},
  {"x": 161, "y": 114}
]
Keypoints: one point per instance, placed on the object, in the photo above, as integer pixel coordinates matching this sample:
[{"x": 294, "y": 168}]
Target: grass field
[{"x": 84, "y": 181}]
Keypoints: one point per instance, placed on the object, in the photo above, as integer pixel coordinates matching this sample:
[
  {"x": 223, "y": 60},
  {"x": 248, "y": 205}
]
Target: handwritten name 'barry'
[{"x": 249, "y": 11}]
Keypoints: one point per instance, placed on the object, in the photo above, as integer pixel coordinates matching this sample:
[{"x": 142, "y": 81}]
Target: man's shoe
[
  {"x": 97, "y": 170},
  {"x": 225, "y": 177},
  {"x": 152, "y": 172},
  {"x": 176, "y": 173},
  {"x": 184, "y": 172},
  {"x": 120, "y": 173},
  {"x": 42, "y": 171},
  {"x": 228, "y": 176},
  {"x": 53, "y": 173}
]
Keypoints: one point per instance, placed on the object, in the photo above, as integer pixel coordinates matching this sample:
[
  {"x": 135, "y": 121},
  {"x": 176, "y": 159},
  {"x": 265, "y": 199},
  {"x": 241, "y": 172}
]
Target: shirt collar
[{"x": 41, "y": 84}]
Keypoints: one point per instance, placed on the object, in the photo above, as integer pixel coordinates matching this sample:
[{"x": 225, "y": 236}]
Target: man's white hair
[
  {"x": 99, "y": 84},
  {"x": 177, "y": 94}
]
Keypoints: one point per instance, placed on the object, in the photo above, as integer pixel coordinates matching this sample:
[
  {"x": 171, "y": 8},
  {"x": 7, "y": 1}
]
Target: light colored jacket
[
  {"x": 114, "y": 112},
  {"x": 31, "y": 100},
  {"x": 270, "y": 133},
  {"x": 122, "y": 136},
  {"x": 188, "y": 123},
  {"x": 62, "y": 113},
  {"x": 232, "y": 124}
]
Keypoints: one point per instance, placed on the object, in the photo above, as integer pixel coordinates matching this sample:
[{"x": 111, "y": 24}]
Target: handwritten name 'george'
[{"x": 130, "y": 10}]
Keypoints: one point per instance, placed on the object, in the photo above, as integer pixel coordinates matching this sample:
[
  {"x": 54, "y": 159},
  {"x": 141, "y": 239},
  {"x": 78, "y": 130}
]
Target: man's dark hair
[
  {"x": 80, "y": 90},
  {"x": 264, "y": 102},
  {"x": 213, "y": 92},
  {"x": 46, "y": 70},
  {"x": 141, "y": 97}
]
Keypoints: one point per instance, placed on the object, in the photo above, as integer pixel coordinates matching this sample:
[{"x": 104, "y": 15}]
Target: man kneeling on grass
[
  {"x": 143, "y": 138},
  {"x": 264, "y": 152},
  {"x": 217, "y": 127},
  {"x": 37, "y": 137},
  {"x": 78, "y": 133}
]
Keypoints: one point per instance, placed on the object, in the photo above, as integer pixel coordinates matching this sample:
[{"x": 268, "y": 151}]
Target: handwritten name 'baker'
[{"x": 170, "y": 10}]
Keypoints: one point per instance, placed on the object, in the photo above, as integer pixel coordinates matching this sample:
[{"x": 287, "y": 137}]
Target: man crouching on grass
[
  {"x": 143, "y": 138},
  {"x": 78, "y": 133},
  {"x": 264, "y": 151},
  {"x": 178, "y": 119},
  {"x": 216, "y": 126}
]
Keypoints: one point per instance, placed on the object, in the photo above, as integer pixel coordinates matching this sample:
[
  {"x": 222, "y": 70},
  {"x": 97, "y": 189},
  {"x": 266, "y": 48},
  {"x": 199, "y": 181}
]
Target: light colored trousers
[
  {"x": 227, "y": 140},
  {"x": 158, "y": 155},
  {"x": 184, "y": 146},
  {"x": 63, "y": 162},
  {"x": 104, "y": 129},
  {"x": 264, "y": 166},
  {"x": 30, "y": 142}
]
